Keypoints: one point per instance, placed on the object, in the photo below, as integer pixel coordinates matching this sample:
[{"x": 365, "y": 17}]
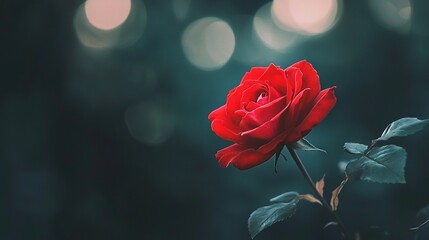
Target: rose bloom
[{"x": 270, "y": 108}]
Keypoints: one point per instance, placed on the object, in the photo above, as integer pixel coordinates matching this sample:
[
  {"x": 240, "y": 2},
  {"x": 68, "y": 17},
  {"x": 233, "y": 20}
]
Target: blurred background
[{"x": 103, "y": 114}]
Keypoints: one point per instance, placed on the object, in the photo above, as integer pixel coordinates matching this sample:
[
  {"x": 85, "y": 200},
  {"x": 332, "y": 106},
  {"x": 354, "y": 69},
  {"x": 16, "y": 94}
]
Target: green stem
[{"x": 313, "y": 186}]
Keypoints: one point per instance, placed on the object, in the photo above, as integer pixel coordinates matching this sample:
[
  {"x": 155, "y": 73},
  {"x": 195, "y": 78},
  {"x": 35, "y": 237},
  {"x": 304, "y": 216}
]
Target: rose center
[{"x": 262, "y": 96}]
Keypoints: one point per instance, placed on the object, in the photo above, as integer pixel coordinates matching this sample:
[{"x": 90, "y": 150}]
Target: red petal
[
  {"x": 241, "y": 157},
  {"x": 262, "y": 114},
  {"x": 244, "y": 157},
  {"x": 252, "y": 92},
  {"x": 219, "y": 112},
  {"x": 273, "y": 94},
  {"x": 269, "y": 129},
  {"x": 233, "y": 101},
  {"x": 226, "y": 130},
  {"x": 254, "y": 74},
  {"x": 223, "y": 127},
  {"x": 251, "y": 106},
  {"x": 276, "y": 78},
  {"x": 310, "y": 78},
  {"x": 294, "y": 78},
  {"x": 324, "y": 103},
  {"x": 299, "y": 108}
]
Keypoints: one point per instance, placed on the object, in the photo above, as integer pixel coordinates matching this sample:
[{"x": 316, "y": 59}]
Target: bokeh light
[
  {"x": 270, "y": 34},
  {"x": 123, "y": 35},
  {"x": 208, "y": 43},
  {"x": 150, "y": 122},
  {"x": 305, "y": 16},
  {"x": 107, "y": 14},
  {"x": 392, "y": 14},
  {"x": 90, "y": 36},
  {"x": 248, "y": 47}
]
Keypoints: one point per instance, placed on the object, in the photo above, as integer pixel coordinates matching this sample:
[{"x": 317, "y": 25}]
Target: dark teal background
[{"x": 70, "y": 169}]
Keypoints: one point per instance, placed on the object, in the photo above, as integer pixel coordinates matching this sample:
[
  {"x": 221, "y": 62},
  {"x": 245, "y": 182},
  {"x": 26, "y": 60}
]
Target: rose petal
[
  {"x": 251, "y": 106},
  {"x": 276, "y": 78},
  {"x": 233, "y": 101},
  {"x": 273, "y": 94},
  {"x": 254, "y": 74},
  {"x": 225, "y": 155},
  {"x": 299, "y": 108},
  {"x": 324, "y": 103},
  {"x": 219, "y": 112},
  {"x": 274, "y": 143},
  {"x": 269, "y": 129},
  {"x": 222, "y": 126},
  {"x": 262, "y": 114},
  {"x": 294, "y": 77},
  {"x": 251, "y": 94},
  {"x": 310, "y": 78},
  {"x": 242, "y": 157},
  {"x": 226, "y": 130}
]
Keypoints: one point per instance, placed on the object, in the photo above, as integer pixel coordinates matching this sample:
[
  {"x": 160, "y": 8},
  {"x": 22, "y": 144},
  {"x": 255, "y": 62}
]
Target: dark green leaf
[
  {"x": 382, "y": 164},
  {"x": 264, "y": 217},
  {"x": 285, "y": 197},
  {"x": 355, "y": 148},
  {"x": 330, "y": 224},
  {"x": 422, "y": 231},
  {"x": 403, "y": 127},
  {"x": 305, "y": 145}
]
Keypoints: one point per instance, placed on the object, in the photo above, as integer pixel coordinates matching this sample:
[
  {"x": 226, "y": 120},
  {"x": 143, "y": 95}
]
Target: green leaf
[
  {"x": 355, "y": 148},
  {"x": 264, "y": 217},
  {"x": 422, "y": 230},
  {"x": 305, "y": 145},
  {"x": 285, "y": 197},
  {"x": 381, "y": 164},
  {"x": 403, "y": 127}
]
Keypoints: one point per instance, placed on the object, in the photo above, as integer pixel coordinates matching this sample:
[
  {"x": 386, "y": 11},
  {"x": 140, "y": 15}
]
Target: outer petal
[
  {"x": 225, "y": 130},
  {"x": 274, "y": 144},
  {"x": 254, "y": 74},
  {"x": 269, "y": 129},
  {"x": 323, "y": 104},
  {"x": 218, "y": 113},
  {"x": 300, "y": 105},
  {"x": 223, "y": 127},
  {"x": 310, "y": 78},
  {"x": 294, "y": 78},
  {"x": 242, "y": 157}
]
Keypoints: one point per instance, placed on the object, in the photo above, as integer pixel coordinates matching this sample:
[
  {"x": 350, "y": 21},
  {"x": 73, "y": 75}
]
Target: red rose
[{"x": 270, "y": 108}]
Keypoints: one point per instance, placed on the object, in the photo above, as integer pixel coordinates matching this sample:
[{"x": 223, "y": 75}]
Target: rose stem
[{"x": 313, "y": 186}]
